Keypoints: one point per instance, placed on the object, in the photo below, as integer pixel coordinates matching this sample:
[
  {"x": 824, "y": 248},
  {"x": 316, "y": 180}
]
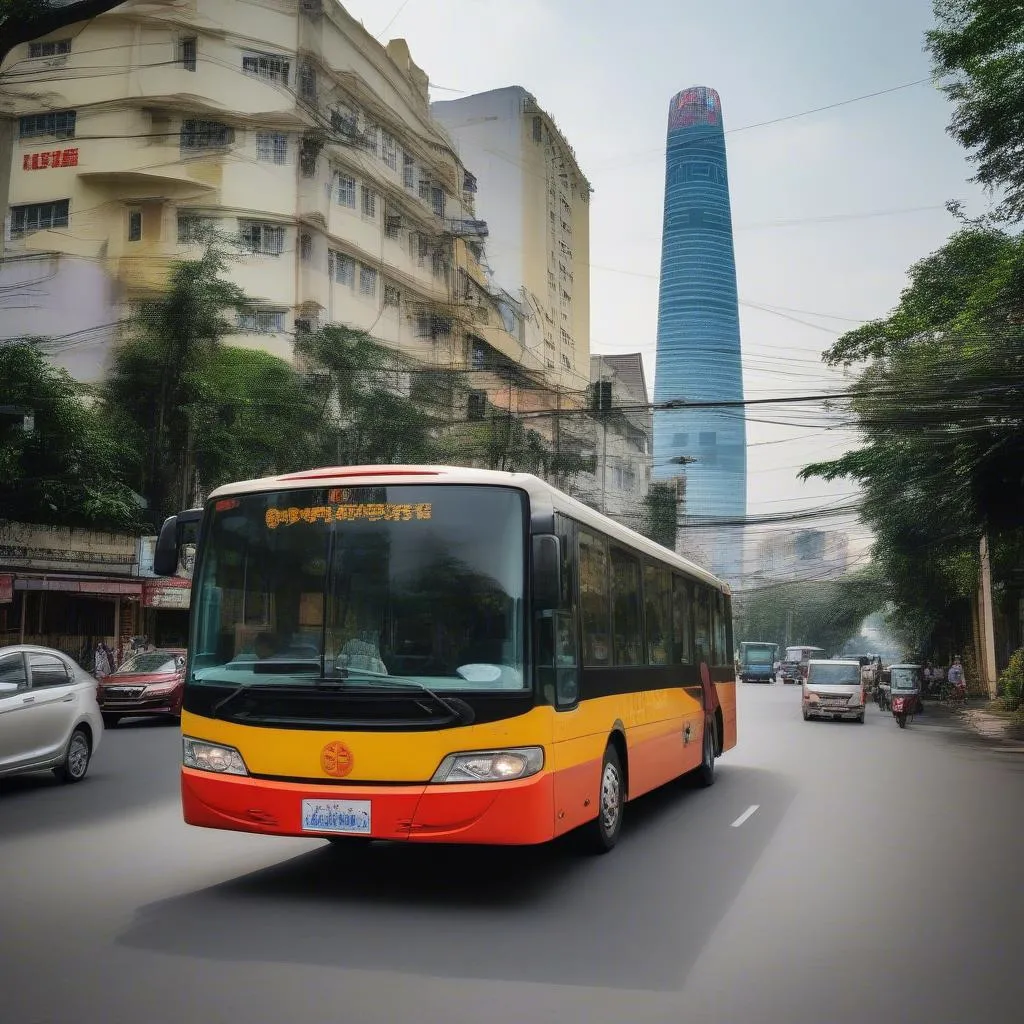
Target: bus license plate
[{"x": 351, "y": 817}]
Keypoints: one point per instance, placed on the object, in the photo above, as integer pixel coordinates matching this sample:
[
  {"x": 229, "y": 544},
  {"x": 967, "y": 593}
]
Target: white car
[
  {"x": 49, "y": 716},
  {"x": 833, "y": 689}
]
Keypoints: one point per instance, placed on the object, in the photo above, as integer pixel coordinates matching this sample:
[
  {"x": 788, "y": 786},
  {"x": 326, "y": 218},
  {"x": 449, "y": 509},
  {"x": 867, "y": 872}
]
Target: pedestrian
[
  {"x": 104, "y": 660},
  {"x": 955, "y": 678}
]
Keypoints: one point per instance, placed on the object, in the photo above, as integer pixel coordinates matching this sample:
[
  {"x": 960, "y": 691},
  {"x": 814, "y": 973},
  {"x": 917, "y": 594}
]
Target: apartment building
[
  {"x": 536, "y": 201},
  {"x": 284, "y": 127},
  {"x": 620, "y": 436}
]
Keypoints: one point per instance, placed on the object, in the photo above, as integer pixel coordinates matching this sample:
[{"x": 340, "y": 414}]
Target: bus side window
[
  {"x": 594, "y": 603},
  {"x": 626, "y": 613},
  {"x": 566, "y": 633},
  {"x": 702, "y": 625},
  {"x": 658, "y": 603},
  {"x": 682, "y": 628}
]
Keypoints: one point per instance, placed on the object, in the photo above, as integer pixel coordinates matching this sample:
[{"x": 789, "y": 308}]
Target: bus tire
[
  {"x": 601, "y": 834},
  {"x": 705, "y": 775}
]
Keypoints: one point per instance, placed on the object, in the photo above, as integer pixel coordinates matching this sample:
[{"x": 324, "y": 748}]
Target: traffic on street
[{"x": 838, "y": 873}]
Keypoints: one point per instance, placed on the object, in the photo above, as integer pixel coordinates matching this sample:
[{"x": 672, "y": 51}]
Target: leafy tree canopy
[
  {"x": 976, "y": 51},
  {"x": 68, "y": 469}
]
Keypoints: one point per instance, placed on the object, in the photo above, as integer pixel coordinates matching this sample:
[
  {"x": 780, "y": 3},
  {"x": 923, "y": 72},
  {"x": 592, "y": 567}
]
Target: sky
[{"x": 829, "y": 210}]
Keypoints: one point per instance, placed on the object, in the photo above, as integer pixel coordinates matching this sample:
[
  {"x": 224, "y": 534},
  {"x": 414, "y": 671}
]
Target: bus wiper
[
  {"x": 459, "y": 709},
  {"x": 240, "y": 689}
]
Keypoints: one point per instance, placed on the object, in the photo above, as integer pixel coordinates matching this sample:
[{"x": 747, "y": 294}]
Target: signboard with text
[
  {"x": 6, "y": 589},
  {"x": 50, "y": 158}
]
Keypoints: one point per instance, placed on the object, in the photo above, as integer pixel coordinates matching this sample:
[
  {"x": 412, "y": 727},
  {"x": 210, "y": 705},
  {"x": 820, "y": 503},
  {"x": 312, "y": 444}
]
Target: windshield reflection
[{"x": 364, "y": 587}]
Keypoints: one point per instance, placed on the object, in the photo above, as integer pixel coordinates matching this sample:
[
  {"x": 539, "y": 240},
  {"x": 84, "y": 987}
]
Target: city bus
[{"x": 437, "y": 654}]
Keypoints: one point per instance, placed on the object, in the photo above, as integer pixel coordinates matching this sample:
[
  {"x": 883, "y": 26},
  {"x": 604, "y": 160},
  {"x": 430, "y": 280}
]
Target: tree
[
  {"x": 63, "y": 466},
  {"x": 976, "y": 51},
  {"x": 159, "y": 374},
  {"x": 940, "y": 404},
  {"x": 660, "y": 521}
]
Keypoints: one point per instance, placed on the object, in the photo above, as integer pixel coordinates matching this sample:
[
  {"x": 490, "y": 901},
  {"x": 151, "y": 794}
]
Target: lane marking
[{"x": 745, "y": 815}]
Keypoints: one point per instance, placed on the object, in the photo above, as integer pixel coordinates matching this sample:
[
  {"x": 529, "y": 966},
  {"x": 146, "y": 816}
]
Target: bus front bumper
[{"x": 501, "y": 813}]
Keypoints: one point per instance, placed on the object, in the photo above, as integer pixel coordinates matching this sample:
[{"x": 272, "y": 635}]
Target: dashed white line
[{"x": 745, "y": 815}]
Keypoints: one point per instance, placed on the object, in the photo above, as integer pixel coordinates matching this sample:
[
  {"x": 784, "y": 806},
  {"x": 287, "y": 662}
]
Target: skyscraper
[{"x": 698, "y": 358}]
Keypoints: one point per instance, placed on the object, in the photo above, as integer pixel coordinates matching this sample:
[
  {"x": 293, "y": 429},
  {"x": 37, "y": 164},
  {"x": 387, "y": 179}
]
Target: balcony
[{"x": 475, "y": 229}]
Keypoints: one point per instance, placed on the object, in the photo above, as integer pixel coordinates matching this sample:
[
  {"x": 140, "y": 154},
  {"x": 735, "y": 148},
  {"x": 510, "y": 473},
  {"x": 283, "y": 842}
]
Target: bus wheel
[
  {"x": 603, "y": 832},
  {"x": 706, "y": 771}
]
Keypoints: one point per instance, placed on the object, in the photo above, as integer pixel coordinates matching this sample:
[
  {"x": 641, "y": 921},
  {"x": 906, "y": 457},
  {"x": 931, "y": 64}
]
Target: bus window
[
  {"x": 682, "y": 628},
  {"x": 626, "y": 622},
  {"x": 594, "y": 599},
  {"x": 658, "y": 607},
  {"x": 566, "y": 635},
  {"x": 702, "y": 624},
  {"x": 721, "y": 652}
]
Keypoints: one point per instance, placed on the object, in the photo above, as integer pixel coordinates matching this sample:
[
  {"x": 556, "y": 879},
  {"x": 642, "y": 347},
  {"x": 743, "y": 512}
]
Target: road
[{"x": 881, "y": 878}]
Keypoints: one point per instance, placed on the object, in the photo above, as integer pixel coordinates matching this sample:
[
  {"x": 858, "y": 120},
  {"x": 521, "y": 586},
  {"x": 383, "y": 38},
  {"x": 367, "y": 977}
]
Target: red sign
[
  {"x": 6, "y": 589},
  {"x": 52, "y": 158}
]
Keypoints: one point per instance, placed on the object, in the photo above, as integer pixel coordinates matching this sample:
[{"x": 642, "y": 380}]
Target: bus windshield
[{"x": 367, "y": 587}]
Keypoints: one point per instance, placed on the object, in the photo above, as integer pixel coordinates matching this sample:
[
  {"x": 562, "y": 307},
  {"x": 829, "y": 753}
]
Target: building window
[
  {"x": 346, "y": 191},
  {"x": 188, "y": 52},
  {"x": 341, "y": 269},
  {"x": 261, "y": 321},
  {"x": 408, "y": 172},
  {"x": 306, "y": 246},
  {"x": 192, "y": 228},
  {"x": 437, "y": 200},
  {"x": 134, "y": 225},
  {"x": 39, "y": 217},
  {"x": 55, "y": 124},
  {"x": 537, "y": 129},
  {"x": 425, "y": 187},
  {"x": 345, "y": 122},
  {"x": 392, "y": 224},
  {"x": 51, "y": 48},
  {"x": 476, "y": 408},
  {"x": 424, "y": 326},
  {"x": 370, "y": 138},
  {"x": 369, "y": 202},
  {"x": 197, "y": 134},
  {"x": 262, "y": 238},
  {"x": 438, "y": 263},
  {"x": 389, "y": 150},
  {"x": 392, "y": 297},
  {"x": 272, "y": 146},
  {"x": 565, "y": 362},
  {"x": 267, "y": 67},
  {"x": 367, "y": 281}
]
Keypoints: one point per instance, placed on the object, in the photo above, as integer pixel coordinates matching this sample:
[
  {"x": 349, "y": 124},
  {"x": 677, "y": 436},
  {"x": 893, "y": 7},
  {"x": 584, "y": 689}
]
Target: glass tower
[{"x": 698, "y": 358}]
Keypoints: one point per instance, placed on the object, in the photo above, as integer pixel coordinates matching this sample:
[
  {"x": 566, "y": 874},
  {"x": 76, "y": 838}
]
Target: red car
[{"x": 149, "y": 683}]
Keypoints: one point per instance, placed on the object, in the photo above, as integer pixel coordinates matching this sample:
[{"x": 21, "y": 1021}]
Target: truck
[{"x": 757, "y": 661}]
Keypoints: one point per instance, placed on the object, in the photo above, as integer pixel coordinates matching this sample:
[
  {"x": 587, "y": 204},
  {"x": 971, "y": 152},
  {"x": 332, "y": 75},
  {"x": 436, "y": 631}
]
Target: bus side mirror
[
  {"x": 547, "y": 572},
  {"x": 171, "y": 540}
]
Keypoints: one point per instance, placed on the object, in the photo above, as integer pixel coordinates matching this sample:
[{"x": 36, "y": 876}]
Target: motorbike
[{"x": 904, "y": 693}]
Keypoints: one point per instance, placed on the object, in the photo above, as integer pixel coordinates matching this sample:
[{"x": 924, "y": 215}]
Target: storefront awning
[{"x": 106, "y": 588}]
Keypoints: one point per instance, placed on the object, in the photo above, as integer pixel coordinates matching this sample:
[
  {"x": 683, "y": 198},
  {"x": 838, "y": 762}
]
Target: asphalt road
[{"x": 880, "y": 879}]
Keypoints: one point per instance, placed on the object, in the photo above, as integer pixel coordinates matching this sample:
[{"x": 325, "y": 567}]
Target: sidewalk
[{"x": 992, "y": 726}]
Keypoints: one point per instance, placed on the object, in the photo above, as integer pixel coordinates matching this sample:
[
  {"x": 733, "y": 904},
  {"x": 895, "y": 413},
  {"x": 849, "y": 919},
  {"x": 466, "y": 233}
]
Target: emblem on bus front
[{"x": 336, "y": 759}]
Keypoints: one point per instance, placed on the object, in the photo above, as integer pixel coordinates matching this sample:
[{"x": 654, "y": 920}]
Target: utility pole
[
  {"x": 789, "y": 626},
  {"x": 986, "y": 621}
]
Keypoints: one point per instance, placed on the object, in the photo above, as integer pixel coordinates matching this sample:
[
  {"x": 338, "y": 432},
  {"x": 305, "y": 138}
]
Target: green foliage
[
  {"x": 976, "y": 52},
  {"x": 1011, "y": 682},
  {"x": 940, "y": 405},
  {"x": 824, "y": 614},
  {"x": 660, "y": 520},
  {"x": 158, "y": 380},
  {"x": 69, "y": 469}
]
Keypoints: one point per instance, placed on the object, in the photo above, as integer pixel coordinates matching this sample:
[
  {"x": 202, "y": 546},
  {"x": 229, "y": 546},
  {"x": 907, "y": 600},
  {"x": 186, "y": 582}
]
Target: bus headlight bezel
[
  {"x": 216, "y": 758},
  {"x": 508, "y": 764}
]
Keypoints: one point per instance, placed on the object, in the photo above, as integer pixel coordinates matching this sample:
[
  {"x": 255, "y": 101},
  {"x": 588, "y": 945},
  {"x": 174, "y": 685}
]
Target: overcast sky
[{"x": 606, "y": 71}]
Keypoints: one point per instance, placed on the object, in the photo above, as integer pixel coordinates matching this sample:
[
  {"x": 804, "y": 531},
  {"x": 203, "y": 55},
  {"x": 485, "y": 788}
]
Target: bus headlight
[
  {"x": 212, "y": 757},
  {"x": 491, "y": 765}
]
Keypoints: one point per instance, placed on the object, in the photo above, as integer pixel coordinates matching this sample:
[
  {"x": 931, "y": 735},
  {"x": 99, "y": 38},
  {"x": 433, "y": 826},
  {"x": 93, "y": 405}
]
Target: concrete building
[
  {"x": 283, "y": 126},
  {"x": 619, "y": 429},
  {"x": 698, "y": 355},
  {"x": 800, "y": 555},
  {"x": 536, "y": 201}
]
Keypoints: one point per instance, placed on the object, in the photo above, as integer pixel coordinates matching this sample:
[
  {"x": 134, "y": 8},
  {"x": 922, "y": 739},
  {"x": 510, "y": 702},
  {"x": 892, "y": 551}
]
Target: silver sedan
[{"x": 49, "y": 717}]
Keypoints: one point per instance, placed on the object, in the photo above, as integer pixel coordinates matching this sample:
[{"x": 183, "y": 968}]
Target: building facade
[
  {"x": 698, "y": 353},
  {"x": 536, "y": 201},
  {"x": 284, "y": 128},
  {"x": 618, "y": 430}
]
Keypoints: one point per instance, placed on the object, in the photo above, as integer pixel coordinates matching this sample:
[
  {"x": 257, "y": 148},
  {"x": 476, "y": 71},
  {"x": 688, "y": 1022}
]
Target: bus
[
  {"x": 757, "y": 661},
  {"x": 437, "y": 654}
]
